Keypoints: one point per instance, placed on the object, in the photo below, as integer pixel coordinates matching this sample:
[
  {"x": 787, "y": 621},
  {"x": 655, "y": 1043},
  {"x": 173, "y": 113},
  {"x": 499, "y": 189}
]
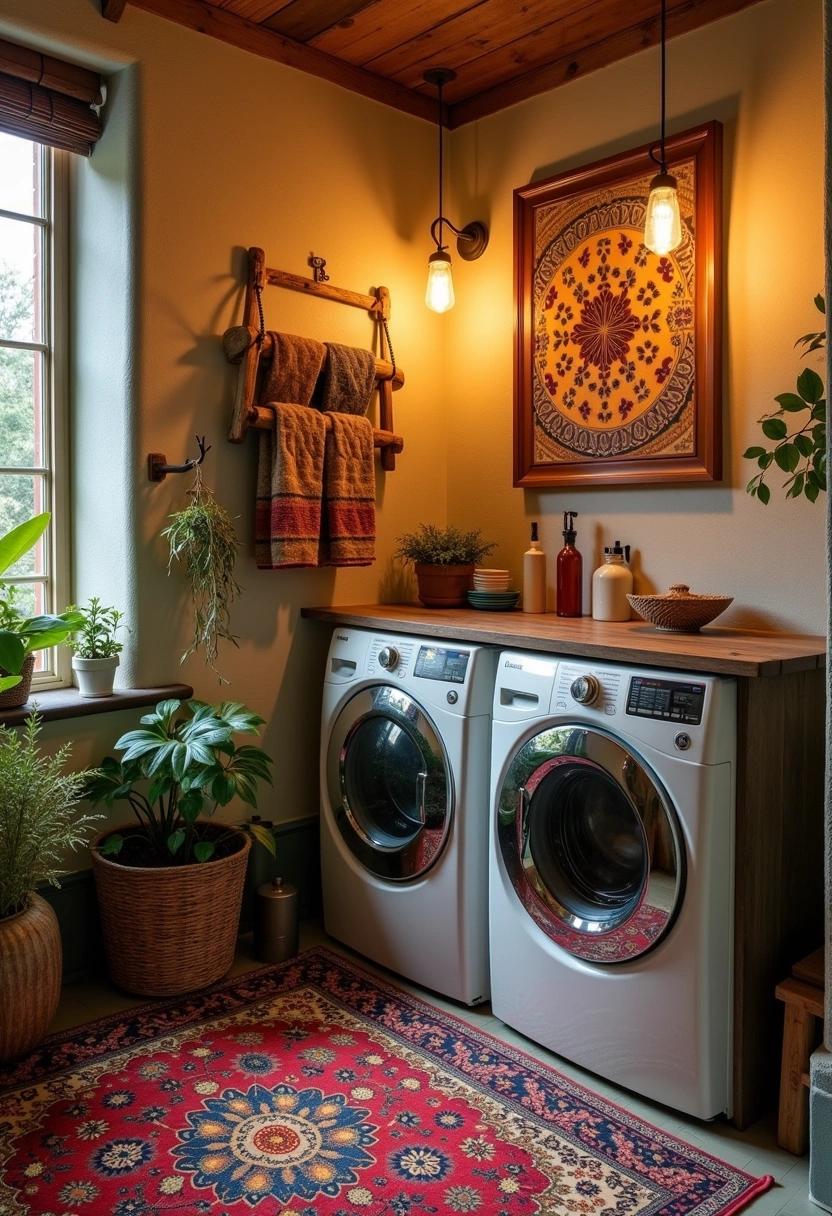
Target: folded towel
[
  {"x": 348, "y": 529},
  {"x": 294, "y": 370},
  {"x": 289, "y": 486},
  {"x": 350, "y": 379}
]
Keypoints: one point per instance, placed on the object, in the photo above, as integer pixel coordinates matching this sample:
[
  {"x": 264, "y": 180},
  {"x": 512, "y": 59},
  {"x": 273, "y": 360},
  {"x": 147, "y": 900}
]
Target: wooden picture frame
[{"x": 618, "y": 353}]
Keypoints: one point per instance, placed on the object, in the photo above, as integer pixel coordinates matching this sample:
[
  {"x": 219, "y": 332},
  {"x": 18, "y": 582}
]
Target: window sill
[{"x": 57, "y": 703}]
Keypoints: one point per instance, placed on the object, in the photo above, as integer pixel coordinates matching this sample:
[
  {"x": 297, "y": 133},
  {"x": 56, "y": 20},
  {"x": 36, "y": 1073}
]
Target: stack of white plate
[{"x": 491, "y": 580}]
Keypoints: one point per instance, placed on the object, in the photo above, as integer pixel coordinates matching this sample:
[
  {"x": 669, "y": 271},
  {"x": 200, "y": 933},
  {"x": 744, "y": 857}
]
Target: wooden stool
[{"x": 803, "y": 997}]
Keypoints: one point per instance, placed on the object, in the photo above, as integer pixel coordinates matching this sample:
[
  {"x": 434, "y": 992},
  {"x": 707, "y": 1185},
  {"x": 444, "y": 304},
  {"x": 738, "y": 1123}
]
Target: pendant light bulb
[
  {"x": 440, "y": 291},
  {"x": 663, "y": 222}
]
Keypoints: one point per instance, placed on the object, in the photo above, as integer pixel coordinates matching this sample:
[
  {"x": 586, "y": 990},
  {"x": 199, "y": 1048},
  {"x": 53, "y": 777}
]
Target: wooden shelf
[
  {"x": 720, "y": 651},
  {"x": 55, "y": 703}
]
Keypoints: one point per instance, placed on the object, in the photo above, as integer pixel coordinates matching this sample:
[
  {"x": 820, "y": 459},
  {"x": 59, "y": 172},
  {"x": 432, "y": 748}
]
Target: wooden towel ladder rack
[{"x": 244, "y": 344}]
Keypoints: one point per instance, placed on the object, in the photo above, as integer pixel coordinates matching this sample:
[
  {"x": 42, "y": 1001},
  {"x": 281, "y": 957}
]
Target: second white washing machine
[
  {"x": 404, "y": 805},
  {"x": 612, "y": 865}
]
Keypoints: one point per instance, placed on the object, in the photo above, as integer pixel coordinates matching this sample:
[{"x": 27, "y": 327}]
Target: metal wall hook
[{"x": 158, "y": 468}]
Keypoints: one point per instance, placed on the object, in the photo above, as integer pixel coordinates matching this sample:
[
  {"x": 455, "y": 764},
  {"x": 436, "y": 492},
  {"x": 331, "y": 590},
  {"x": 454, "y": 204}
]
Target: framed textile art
[{"x": 618, "y": 370}]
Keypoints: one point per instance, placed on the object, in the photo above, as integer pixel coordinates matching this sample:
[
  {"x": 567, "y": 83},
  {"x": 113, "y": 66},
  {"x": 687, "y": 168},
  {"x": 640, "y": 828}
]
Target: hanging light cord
[
  {"x": 441, "y": 220},
  {"x": 661, "y": 160}
]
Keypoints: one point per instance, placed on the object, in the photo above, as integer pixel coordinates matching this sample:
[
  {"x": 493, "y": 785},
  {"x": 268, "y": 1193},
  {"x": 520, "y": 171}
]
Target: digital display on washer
[
  {"x": 666, "y": 699},
  {"x": 439, "y": 663}
]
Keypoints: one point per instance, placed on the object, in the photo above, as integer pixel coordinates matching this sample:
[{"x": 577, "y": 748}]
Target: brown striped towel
[
  {"x": 348, "y": 525},
  {"x": 289, "y": 488},
  {"x": 291, "y": 459},
  {"x": 349, "y": 379}
]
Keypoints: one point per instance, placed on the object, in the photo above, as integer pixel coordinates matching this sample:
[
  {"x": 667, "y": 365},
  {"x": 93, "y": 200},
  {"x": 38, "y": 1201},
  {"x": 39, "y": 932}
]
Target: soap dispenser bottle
[
  {"x": 611, "y": 584},
  {"x": 534, "y": 576},
  {"x": 570, "y": 571}
]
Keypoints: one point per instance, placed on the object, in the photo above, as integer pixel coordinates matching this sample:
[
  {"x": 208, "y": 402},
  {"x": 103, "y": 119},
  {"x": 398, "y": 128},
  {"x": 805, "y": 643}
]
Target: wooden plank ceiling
[{"x": 503, "y": 51}]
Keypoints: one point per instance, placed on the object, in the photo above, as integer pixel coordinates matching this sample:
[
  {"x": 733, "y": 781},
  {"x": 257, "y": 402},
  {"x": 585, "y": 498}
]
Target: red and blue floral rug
[{"x": 313, "y": 1089}]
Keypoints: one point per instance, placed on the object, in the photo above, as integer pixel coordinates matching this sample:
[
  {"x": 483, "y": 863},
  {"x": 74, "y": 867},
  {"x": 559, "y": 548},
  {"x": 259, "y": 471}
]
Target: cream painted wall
[
  {"x": 228, "y": 150},
  {"x": 760, "y": 73}
]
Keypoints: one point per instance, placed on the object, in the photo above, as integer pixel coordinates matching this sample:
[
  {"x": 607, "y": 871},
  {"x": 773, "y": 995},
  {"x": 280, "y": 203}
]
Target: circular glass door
[
  {"x": 591, "y": 844},
  {"x": 389, "y": 783}
]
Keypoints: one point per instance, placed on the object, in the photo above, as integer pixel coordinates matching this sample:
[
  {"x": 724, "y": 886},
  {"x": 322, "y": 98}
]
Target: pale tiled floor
[{"x": 754, "y": 1150}]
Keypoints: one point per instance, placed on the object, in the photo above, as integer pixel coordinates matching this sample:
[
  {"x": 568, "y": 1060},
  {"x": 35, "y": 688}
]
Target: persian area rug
[{"x": 313, "y": 1089}]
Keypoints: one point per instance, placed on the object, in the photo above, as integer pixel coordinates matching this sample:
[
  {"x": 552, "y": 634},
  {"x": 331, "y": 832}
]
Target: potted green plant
[
  {"x": 95, "y": 649},
  {"x": 799, "y": 450},
  {"x": 444, "y": 561},
  {"x": 170, "y": 885},
  {"x": 38, "y": 823},
  {"x": 21, "y": 636}
]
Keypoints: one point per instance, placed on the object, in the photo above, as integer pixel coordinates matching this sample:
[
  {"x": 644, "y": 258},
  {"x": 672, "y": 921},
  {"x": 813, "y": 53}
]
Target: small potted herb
[
  {"x": 21, "y": 635},
  {"x": 95, "y": 649},
  {"x": 39, "y": 822},
  {"x": 170, "y": 884},
  {"x": 444, "y": 561}
]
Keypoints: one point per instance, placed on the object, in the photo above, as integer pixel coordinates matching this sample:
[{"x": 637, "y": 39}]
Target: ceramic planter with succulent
[
  {"x": 170, "y": 884},
  {"x": 21, "y": 636},
  {"x": 444, "y": 561},
  {"x": 95, "y": 649},
  {"x": 38, "y": 824}
]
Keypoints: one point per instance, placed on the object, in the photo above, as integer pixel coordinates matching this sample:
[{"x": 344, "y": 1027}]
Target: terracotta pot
[
  {"x": 30, "y": 977},
  {"x": 169, "y": 929},
  {"x": 13, "y": 698},
  {"x": 444, "y": 586}
]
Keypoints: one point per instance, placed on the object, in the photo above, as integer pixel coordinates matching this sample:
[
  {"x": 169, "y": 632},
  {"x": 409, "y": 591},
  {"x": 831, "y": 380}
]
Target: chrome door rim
[
  {"x": 645, "y": 921},
  {"x": 418, "y": 854}
]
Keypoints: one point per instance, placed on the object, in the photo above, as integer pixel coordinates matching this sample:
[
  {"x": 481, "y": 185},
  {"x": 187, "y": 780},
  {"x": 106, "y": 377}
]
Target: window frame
[{"x": 54, "y": 349}]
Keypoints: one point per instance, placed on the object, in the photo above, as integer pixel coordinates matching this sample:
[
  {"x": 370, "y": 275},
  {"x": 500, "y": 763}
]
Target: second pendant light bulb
[
  {"x": 440, "y": 291},
  {"x": 663, "y": 222}
]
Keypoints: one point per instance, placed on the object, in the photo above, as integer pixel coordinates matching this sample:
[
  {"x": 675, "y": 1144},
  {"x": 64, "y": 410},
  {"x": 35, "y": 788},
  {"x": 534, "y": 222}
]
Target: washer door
[
  {"x": 390, "y": 783},
  {"x": 591, "y": 844}
]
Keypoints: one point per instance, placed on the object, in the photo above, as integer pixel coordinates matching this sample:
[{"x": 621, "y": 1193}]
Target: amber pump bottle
[{"x": 570, "y": 571}]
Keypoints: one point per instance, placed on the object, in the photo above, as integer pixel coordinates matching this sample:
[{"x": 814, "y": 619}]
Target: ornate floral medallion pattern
[
  {"x": 313, "y": 1090},
  {"x": 614, "y": 354}
]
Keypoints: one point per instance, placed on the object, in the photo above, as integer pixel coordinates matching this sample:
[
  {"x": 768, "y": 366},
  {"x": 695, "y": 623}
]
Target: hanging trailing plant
[{"x": 203, "y": 537}]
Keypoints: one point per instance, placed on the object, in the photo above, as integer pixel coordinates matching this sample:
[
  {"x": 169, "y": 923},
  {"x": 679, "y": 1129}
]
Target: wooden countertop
[{"x": 720, "y": 651}]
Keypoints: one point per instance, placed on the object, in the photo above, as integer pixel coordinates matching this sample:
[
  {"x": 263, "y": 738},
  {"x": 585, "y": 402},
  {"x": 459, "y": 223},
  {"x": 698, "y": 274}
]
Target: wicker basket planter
[
  {"x": 13, "y": 698},
  {"x": 169, "y": 929},
  {"x": 680, "y": 611},
  {"x": 30, "y": 977}
]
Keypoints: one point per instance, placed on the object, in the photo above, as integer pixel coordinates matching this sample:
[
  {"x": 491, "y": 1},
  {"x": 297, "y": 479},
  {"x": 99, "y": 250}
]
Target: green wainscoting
[{"x": 76, "y": 906}]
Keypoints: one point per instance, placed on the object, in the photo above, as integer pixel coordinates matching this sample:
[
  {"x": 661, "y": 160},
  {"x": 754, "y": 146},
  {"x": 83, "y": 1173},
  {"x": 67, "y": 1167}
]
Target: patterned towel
[
  {"x": 350, "y": 379},
  {"x": 290, "y": 466},
  {"x": 348, "y": 530},
  {"x": 289, "y": 486}
]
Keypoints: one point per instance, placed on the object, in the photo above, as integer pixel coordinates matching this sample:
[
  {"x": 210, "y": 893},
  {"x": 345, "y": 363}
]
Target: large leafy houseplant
[
  {"x": 22, "y": 635},
  {"x": 39, "y": 823},
  {"x": 174, "y": 773},
  {"x": 799, "y": 450}
]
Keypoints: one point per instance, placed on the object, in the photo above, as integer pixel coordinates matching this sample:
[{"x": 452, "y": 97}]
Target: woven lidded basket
[
  {"x": 169, "y": 929},
  {"x": 13, "y": 698},
  {"x": 680, "y": 611}
]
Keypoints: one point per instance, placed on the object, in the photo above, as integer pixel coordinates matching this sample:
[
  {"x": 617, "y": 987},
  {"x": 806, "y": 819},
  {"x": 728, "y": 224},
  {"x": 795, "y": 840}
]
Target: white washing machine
[
  {"x": 404, "y": 806},
  {"x": 611, "y": 889}
]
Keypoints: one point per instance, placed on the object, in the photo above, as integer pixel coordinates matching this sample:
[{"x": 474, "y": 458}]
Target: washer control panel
[
  {"x": 669, "y": 700},
  {"x": 389, "y": 658},
  {"x": 442, "y": 663}
]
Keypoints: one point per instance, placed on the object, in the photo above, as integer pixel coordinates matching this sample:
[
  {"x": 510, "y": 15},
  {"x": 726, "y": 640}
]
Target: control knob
[
  {"x": 585, "y": 690},
  {"x": 389, "y": 657}
]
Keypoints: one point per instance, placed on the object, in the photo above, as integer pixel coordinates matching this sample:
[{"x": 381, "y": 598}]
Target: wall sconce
[
  {"x": 663, "y": 223},
  {"x": 470, "y": 240}
]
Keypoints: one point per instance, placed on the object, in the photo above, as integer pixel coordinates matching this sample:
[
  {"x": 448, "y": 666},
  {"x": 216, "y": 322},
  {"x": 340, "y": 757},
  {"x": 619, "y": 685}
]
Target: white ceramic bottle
[
  {"x": 611, "y": 584},
  {"x": 534, "y": 576}
]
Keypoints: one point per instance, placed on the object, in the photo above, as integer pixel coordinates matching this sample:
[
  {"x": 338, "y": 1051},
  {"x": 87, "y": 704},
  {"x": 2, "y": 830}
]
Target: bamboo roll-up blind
[{"x": 47, "y": 100}]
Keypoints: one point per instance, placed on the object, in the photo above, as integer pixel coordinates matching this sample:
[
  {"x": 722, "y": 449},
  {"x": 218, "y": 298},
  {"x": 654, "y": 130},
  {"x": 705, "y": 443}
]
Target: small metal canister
[{"x": 276, "y": 921}]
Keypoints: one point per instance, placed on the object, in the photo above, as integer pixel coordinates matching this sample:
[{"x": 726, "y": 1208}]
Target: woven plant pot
[
  {"x": 169, "y": 929},
  {"x": 13, "y": 698},
  {"x": 680, "y": 611},
  {"x": 30, "y": 977},
  {"x": 444, "y": 586}
]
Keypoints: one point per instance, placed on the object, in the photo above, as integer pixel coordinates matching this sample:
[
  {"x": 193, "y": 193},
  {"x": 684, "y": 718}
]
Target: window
[{"x": 33, "y": 376}]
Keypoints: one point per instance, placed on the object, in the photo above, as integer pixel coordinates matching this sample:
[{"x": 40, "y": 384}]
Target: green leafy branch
[{"x": 799, "y": 451}]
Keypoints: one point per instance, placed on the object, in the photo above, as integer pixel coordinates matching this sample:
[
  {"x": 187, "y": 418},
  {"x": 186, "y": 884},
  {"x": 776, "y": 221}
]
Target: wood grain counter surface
[{"x": 720, "y": 651}]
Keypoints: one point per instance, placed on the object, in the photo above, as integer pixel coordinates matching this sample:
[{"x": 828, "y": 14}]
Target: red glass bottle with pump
[{"x": 570, "y": 571}]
